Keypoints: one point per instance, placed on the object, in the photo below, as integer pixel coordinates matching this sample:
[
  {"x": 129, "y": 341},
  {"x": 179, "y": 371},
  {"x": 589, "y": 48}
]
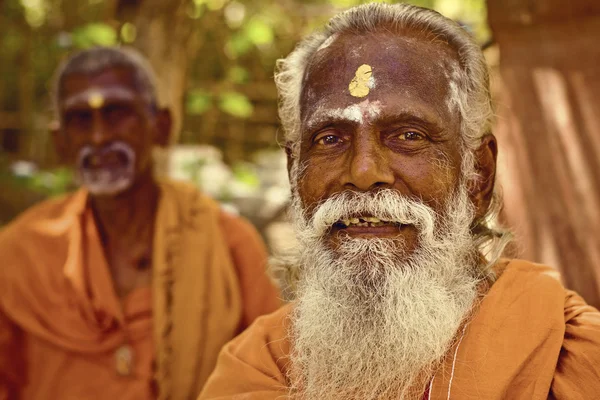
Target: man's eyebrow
[
  {"x": 428, "y": 120},
  {"x": 348, "y": 116},
  {"x": 318, "y": 121},
  {"x": 109, "y": 94},
  {"x": 352, "y": 114}
]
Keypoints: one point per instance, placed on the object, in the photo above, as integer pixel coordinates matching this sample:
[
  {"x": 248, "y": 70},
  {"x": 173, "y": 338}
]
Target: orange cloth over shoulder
[
  {"x": 530, "y": 339},
  {"x": 61, "y": 322}
]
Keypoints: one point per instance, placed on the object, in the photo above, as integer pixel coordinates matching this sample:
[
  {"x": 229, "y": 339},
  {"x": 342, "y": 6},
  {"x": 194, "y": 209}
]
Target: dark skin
[
  {"x": 402, "y": 135},
  {"x": 124, "y": 115}
]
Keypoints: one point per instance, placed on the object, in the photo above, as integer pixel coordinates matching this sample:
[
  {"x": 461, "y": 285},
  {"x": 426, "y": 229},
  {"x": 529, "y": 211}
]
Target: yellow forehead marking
[
  {"x": 96, "y": 100},
  {"x": 360, "y": 84}
]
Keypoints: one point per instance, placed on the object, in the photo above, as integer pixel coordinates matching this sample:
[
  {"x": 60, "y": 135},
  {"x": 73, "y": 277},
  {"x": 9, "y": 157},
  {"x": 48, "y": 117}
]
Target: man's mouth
[
  {"x": 106, "y": 160},
  {"x": 368, "y": 225},
  {"x": 365, "y": 222}
]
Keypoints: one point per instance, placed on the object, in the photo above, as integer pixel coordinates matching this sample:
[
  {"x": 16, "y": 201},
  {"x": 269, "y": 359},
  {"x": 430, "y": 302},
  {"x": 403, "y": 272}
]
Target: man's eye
[
  {"x": 328, "y": 140},
  {"x": 115, "y": 112},
  {"x": 78, "y": 118},
  {"x": 411, "y": 135}
]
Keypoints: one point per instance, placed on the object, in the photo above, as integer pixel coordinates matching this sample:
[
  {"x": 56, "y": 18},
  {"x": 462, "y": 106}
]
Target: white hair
[
  {"x": 469, "y": 89},
  {"x": 98, "y": 59},
  {"x": 373, "y": 321}
]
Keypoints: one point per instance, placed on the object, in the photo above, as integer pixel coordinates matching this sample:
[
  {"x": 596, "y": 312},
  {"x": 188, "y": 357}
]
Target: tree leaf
[
  {"x": 259, "y": 32},
  {"x": 198, "y": 102},
  {"x": 238, "y": 75},
  {"x": 95, "y": 34},
  {"x": 236, "y": 104}
]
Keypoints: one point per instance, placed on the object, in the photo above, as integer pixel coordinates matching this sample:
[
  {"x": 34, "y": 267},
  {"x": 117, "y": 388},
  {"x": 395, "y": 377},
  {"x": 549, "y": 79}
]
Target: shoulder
[
  {"x": 238, "y": 230},
  {"x": 537, "y": 292},
  {"x": 522, "y": 275},
  {"x": 266, "y": 330},
  {"x": 182, "y": 192},
  {"x": 526, "y": 269},
  {"x": 33, "y": 241},
  {"x": 30, "y": 221},
  {"x": 259, "y": 357}
]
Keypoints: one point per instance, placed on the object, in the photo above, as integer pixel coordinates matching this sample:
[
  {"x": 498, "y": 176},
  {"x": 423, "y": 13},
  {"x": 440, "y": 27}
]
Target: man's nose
[
  {"x": 369, "y": 167},
  {"x": 100, "y": 132}
]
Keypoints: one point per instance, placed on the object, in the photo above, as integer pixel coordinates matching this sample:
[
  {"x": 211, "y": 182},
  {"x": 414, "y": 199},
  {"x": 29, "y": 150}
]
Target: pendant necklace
[
  {"x": 124, "y": 360},
  {"x": 124, "y": 355}
]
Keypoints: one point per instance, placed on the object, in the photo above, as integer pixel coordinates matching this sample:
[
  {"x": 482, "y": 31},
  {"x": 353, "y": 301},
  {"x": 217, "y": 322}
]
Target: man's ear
[
  {"x": 481, "y": 189},
  {"x": 164, "y": 124},
  {"x": 60, "y": 141}
]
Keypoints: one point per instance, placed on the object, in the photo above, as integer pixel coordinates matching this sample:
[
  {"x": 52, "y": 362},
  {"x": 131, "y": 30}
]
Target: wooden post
[{"x": 549, "y": 133}]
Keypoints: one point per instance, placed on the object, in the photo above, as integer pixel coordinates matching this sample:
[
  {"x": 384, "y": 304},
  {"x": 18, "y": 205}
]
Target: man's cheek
[{"x": 310, "y": 190}]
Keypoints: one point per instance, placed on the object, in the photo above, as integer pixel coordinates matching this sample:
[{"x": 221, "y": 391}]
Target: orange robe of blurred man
[
  {"x": 530, "y": 339},
  {"x": 65, "y": 334}
]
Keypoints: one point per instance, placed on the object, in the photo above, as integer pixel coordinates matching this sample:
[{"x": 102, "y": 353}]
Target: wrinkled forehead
[{"x": 351, "y": 68}]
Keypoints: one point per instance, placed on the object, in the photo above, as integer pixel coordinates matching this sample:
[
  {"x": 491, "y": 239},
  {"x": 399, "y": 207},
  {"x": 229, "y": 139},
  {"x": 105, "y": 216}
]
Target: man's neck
[{"x": 128, "y": 214}]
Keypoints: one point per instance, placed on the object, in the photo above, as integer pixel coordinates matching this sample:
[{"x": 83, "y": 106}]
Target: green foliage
[
  {"x": 236, "y": 104},
  {"x": 238, "y": 45},
  {"x": 94, "y": 34},
  {"x": 52, "y": 182},
  {"x": 198, "y": 101},
  {"x": 238, "y": 75},
  {"x": 128, "y": 32},
  {"x": 246, "y": 174},
  {"x": 35, "y": 12},
  {"x": 259, "y": 32}
]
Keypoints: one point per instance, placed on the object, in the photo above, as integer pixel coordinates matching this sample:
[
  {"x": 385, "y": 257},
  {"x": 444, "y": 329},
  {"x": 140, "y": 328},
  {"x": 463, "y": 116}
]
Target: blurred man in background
[
  {"x": 399, "y": 288},
  {"x": 128, "y": 288}
]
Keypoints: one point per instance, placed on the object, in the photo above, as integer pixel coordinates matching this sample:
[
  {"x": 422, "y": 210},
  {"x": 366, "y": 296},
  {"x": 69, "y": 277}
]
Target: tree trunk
[
  {"x": 549, "y": 133},
  {"x": 165, "y": 35}
]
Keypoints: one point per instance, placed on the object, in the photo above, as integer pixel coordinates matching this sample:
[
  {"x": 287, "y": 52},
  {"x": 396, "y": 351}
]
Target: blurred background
[{"x": 215, "y": 60}]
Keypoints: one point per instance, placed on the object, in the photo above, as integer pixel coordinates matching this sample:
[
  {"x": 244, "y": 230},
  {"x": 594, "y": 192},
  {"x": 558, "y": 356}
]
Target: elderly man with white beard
[
  {"x": 129, "y": 287},
  {"x": 400, "y": 291}
]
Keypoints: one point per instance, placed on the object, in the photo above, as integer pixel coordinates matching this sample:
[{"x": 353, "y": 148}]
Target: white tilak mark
[
  {"x": 454, "y": 361},
  {"x": 356, "y": 112},
  {"x": 371, "y": 83}
]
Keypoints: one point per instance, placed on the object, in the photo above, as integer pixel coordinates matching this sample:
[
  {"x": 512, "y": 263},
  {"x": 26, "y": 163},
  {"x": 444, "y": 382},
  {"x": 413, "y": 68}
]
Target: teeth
[
  {"x": 371, "y": 219},
  {"x": 366, "y": 221}
]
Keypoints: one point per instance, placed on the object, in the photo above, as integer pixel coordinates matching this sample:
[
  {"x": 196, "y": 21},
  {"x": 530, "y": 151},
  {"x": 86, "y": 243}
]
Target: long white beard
[{"x": 372, "y": 322}]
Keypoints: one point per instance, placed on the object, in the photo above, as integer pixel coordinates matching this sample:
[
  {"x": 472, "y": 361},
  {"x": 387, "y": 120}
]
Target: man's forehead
[
  {"x": 351, "y": 68},
  {"x": 108, "y": 83},
  {"x": 398, "y": 57},
  {"x": 381, "y": 45}
]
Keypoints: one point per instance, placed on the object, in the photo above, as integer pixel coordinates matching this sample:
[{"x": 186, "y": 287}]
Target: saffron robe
[
  {"x": 529, "y": 339},
  {"x": 61, "y": 321}
]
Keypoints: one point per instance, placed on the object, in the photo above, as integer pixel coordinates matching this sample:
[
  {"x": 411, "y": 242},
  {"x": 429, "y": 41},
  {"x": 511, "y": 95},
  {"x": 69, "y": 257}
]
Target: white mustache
[
  {"x": 385, "y": 204},
  {"x": 117, "y": 146}
]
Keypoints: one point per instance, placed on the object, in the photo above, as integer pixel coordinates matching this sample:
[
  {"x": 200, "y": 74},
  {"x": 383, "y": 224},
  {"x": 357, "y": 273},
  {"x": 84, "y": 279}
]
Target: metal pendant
[{"x": 124, "y": 360}]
